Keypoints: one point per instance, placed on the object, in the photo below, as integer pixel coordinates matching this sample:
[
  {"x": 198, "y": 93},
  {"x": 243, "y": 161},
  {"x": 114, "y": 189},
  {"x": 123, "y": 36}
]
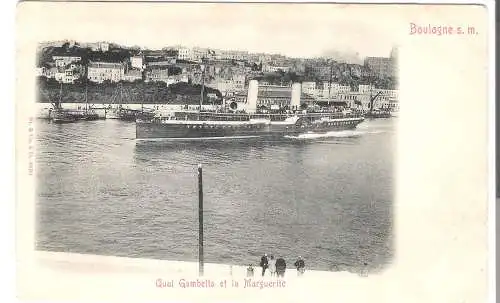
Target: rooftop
[{"x": 105, "y": 65}]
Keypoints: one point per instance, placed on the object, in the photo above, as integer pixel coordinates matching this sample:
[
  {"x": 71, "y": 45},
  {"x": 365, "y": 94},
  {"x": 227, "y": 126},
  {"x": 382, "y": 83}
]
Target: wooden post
[{"x": 200, "y": 220}]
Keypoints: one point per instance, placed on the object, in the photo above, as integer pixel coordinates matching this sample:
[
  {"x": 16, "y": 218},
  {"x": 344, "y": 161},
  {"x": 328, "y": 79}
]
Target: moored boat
[
  {"x": 60, "y": 116},
  {"x": 121, "y": 113},
  {"x": 377, "y": 113}
]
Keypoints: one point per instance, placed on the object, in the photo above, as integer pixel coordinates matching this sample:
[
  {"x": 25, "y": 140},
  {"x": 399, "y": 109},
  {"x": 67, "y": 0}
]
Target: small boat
[
  {"x": 89, "y": 114},
  {"x": 60, "y": 116},
  {"x": 119, "y": 111},
  {"x": 378, "y": 113}
]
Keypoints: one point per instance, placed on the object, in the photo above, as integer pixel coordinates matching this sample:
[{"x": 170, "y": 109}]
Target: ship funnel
[
  {"x": 253, "y": 88},
  {"x": 296, "y": 92}
]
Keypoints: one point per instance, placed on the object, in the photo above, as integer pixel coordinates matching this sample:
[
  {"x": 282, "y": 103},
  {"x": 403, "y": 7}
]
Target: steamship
[{"x": 248, "y": 124}]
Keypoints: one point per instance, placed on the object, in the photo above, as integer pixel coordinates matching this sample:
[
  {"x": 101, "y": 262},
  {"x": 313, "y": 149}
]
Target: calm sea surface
[{"x": 328, "y": 199}]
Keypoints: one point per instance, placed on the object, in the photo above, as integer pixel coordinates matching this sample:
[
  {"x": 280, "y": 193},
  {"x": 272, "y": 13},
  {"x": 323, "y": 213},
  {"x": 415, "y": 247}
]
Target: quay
[{"x": 71, "y": 276}]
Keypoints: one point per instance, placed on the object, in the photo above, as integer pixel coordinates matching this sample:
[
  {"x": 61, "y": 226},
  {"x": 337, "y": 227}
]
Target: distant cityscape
[{"x": 226, "y": 71}]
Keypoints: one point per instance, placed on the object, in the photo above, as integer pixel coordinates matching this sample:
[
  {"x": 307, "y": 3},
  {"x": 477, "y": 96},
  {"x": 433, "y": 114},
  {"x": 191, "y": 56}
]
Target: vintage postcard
[{"x": 234, "y": 152}]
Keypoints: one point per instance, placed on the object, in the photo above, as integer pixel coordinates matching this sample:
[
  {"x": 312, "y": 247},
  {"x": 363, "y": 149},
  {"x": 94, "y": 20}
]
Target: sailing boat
[
  {"x": 120, "y": 112},
  {"x": 89, "y": 113},
  {"x": 59, "y": 115},
  {"x": 145, "y": 113}
]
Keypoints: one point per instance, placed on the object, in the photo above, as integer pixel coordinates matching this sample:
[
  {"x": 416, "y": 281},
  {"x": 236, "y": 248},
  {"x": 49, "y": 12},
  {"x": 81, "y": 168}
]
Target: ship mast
[
  {"x": 86, "y": 98},
  {"x": 202, "y": 86},
  {"x": 121, "y": 95},
  {"x": 330, "y": 82},
  {"x": 60, "y": 97},
  {"x": 143, "y": 97}
]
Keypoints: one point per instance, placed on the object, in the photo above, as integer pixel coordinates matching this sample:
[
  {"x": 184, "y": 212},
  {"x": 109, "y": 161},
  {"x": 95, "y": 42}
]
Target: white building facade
[
  {"x": 137, "y": 62},
  {"x": 102, "y": 71}
]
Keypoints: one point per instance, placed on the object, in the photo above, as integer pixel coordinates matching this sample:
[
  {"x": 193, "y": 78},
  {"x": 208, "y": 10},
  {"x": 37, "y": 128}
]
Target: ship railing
[{"x": 204, "y": 116}]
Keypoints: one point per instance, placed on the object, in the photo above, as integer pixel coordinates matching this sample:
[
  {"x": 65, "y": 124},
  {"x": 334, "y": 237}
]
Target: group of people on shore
[{"x": 276, "y": 267}]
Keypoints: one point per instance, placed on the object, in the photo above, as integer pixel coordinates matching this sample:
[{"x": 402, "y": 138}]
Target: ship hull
[
  {"x": 122, "y": 114},
  {"x": 193, "y": 130}
]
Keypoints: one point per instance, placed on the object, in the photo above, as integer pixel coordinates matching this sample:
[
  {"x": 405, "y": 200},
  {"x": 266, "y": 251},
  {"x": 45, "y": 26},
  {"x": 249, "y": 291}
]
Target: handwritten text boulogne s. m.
[{"x": 441, "y": 30}]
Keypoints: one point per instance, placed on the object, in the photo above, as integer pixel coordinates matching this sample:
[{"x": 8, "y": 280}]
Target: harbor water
[{"x": 327, "y": 198}]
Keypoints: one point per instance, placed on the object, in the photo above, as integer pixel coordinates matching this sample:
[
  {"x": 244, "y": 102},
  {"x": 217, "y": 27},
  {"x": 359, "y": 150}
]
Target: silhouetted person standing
[
  {"x": 280, "y": 267},
  {"x": 300, "y": 265},
  {"x": 272, "y": 266},
  {"x": 250, "y": 271},
  {"x": 264, "y": 263}
]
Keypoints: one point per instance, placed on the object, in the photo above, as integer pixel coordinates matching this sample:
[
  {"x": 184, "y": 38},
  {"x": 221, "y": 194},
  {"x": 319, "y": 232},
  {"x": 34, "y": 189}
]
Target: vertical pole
[
  {"x": 200, "y": 219},
  {"x": 330, "y": 82},
  {"x": 202, "y": 87}
]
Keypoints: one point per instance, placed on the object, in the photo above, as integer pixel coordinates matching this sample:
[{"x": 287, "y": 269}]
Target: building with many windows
[
  {"x": 236, "y": 84},
  {"x": 268, "y": 68},
  {"x": 198, "y": 53},
  {"x": 156, "y": 75},
  {"x": 234, "y": 55},
  {"x": 102, "y": 71},
  {"x": 132, "y": 75},
  {"x": 183, "y": 53}
]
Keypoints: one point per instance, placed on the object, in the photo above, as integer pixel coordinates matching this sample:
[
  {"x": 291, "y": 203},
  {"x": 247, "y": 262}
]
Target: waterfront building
[
  {"x": 386, "y": 99},
  {"x": 274, "y": 97},
  {"x": 330, "y": 89},
  {"x": 365, "y": 89},
  {"x": 350, "y": 99},
  {"x": 102, "y": 71},
  {"x": 344, "y": 88},
  {"x": 309, "y": 87}
]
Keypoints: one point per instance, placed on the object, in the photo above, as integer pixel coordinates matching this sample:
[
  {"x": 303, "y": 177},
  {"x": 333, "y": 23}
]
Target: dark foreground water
[{"x": 328, "y": 199}]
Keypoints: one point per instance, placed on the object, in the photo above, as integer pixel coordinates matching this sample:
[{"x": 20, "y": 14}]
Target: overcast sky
[{"x": 292, "y": 29}]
